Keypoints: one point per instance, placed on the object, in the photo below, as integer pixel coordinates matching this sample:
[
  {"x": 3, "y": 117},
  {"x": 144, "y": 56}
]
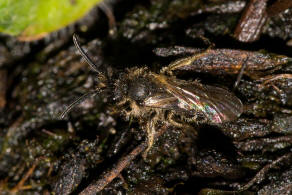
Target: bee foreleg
[{"x": 123, "y": 102}]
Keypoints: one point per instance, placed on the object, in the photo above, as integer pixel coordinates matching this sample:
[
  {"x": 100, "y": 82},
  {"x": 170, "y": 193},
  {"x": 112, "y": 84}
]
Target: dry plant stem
[
  {"x": 253, "y": 19},
  {"x": 272, "y": 78},
  {"x": 240, "y": 74},
  {"x": 228, "y": 60},
  {"x": 3, "y": 86},
  {"x": 107, "y": 177},
  {"x": 111, "y": 18},
  {"x": 110, "y": 175},
  {"x": 20, "y": 184},
  {"x": 248, "y": 144},
  {"x": 260, "y": 176}
]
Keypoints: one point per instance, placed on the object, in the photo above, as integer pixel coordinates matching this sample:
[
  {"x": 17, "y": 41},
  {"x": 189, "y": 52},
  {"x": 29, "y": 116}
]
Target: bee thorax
[{"x": 138, "y": 90}]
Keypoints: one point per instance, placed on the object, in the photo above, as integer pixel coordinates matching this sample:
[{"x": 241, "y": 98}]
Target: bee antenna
[
  {"x": 89, "y": 61},
  {"x": 77, "y": 102},
  {"x": 239, "y": 76}
]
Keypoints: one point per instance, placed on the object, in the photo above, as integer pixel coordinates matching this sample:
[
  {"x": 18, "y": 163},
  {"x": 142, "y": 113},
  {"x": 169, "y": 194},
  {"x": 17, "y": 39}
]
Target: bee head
[{"x": 139, "y": 89}]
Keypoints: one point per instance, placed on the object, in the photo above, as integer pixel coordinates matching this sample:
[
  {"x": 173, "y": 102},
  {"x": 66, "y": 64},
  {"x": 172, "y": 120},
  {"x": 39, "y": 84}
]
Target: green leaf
[{"x": 33, "y": 19}]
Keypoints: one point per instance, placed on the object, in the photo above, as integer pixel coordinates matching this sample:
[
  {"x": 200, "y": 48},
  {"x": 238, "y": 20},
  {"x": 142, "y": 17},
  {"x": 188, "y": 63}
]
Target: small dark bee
[{"x": 153, "y": 98}]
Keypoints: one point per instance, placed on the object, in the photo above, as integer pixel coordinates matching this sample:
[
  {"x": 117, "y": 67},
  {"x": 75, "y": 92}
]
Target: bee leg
[
  {"x": 182, "y": 62},
  {"x": 184, "y": 125},
  {"x": 122, "y": 102},
  {"x": 125, "y": 113},
  {"x": 170, "y": 119},
  {"x": 150, "y": 128}
]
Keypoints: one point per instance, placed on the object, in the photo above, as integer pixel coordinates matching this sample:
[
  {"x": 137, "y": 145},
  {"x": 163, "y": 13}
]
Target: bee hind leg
[
  {"x": 171, "y": 120},
  {"x": 184, "y": 125},
  {"x": 150, "y": 128}
]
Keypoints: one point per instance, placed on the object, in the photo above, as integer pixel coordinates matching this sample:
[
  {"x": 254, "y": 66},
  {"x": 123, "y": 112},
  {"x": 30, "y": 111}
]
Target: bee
[{"x": 161, "y": 97}]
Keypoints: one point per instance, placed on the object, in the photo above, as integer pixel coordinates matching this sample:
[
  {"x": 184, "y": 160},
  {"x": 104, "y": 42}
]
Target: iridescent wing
[
  {"x": 217, "y": 104},
  {"x": 164, "y": 101}
]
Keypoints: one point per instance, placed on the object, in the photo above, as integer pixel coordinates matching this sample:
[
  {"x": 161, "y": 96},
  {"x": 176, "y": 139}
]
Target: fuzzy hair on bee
[{"x": 154, "y": 98}]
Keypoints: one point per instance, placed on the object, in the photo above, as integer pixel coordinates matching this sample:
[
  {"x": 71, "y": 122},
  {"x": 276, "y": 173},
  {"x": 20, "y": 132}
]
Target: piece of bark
[{"x": 252, "y": 21}]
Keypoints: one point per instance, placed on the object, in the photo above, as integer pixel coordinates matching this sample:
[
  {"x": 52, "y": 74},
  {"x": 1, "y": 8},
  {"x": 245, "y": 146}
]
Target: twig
[
  {"x": 110, "y": 175},
  {"x": 107, "y": 177},
  {"x": 19, "y": 185},
  {"x": 239, "y": 76},
  {"x": 260, "y": 176},
  {"x": 3, "y": 88},
  {"x": 107, "y": 9},
  {"x": 269, "y": 79}
]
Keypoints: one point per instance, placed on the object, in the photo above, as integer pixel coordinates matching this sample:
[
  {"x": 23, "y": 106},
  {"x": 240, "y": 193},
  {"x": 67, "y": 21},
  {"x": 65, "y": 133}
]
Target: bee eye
[{"x": 138, "y": 91}]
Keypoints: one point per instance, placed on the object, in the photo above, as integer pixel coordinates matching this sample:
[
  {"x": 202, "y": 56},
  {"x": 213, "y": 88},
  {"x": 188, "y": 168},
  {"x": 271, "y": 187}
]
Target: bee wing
[
  {"x": 217, "y": 104},
  {"x": 164, "y": 101}
]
